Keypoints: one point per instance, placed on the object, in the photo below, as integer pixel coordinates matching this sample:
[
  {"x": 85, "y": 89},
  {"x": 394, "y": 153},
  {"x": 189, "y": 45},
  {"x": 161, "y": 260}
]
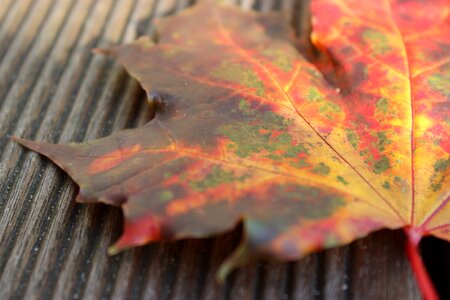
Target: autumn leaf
[{"x": 247, "y": 129}]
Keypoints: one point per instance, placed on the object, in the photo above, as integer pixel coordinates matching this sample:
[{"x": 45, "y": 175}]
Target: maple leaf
[{"x": 248, "y": 130}]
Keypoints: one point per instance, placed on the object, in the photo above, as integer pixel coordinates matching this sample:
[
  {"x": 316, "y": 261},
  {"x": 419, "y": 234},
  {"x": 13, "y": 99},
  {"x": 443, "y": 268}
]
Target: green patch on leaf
[
  {"x": 353, "y": 138},
  {"x": 381, "y": 165},
  {"x": 342, "y": 180},
  {"x": 238, "y": 73},
  {"x": 436, "y": 186},
  {"x": 440, "y": 83},
  {"x": 326, "y": 107},
  {"x": 311, "y": 202},
  {"x": 382, "y": 106},
  {"x": 382, "y": 141},
  {"x": 255, "y": 135},
  {"x": 387, "y": 185},
  {"x": 368, "y": 156},
  {"x": 279, "y": 58},
  {"x": 166, "y": 195},
  {"x": 378, "y": 42},
  {"x": 217, "y": 177},
  {"x": 321, "y": 169},
  {"x": 269, "y": 119},
  {"x": 299, "y": 163},
  {"x": 314, "y": 95},
  {"x": 441, "y": 165}
]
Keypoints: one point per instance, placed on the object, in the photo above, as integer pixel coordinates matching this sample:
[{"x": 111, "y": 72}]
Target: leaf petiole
[{"x": 420, "y": 272}]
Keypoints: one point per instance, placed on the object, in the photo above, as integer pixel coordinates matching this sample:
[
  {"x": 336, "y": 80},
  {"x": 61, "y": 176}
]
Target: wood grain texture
[{"x": 52, "y": 88}]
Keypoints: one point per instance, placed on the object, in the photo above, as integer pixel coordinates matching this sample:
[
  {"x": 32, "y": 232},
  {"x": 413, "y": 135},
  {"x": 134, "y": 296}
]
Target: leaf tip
[
  {"x": 224, "y": 270},
  {"x": 18, "y": 140},
  {"x": 26, "y": 143},
  {"x": 104, "y": 51},
  {"x": 238, "y": 258},
  {"x": 114, "y": 250}
]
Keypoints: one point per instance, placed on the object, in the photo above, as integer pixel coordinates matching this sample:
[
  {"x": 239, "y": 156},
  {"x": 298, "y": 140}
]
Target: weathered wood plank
[{"x": 52, "y": 88}]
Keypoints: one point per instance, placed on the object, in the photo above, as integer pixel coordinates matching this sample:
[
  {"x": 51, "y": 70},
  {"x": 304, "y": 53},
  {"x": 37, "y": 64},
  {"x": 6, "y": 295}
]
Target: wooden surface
[{"x": 52, "y": 88}]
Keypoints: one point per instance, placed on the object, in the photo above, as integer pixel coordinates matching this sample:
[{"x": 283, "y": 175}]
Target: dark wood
[{"x": 52, "y": 88}]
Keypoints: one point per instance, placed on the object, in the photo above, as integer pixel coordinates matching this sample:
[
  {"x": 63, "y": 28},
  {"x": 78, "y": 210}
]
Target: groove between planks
[{"x": 53, "y": 89}]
